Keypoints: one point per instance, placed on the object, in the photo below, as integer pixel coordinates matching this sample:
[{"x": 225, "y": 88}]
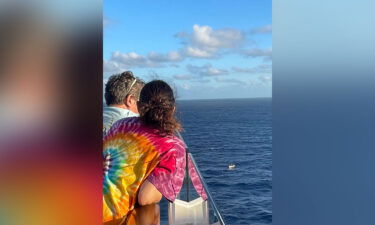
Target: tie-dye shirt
[
  {"x": 113, "y": 114},
  {"x": 133, "y": 153}
]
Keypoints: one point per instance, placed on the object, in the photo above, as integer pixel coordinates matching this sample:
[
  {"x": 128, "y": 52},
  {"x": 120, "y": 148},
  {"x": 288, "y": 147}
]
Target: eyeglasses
[{"x": 130, "y": 88}]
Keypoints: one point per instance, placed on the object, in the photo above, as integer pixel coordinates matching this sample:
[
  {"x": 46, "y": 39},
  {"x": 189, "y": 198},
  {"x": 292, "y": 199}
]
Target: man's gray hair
[{"x": 119, "y": 86}]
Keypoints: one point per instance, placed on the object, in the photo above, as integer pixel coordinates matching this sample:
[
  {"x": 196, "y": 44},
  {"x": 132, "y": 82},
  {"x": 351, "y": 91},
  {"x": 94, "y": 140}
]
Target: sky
[{"x": 203, "y": 49}]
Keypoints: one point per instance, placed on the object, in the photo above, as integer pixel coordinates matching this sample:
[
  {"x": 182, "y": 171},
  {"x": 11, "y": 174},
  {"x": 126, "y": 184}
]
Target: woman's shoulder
[
  {"x": 173, "y": 143},
  {"x": 176, "y": 140},
  {"x": 125, "y": 124},
  {"x": 129, "y": 121}
]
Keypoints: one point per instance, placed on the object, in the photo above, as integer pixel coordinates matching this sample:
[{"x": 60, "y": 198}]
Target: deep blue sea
[{"x": 239, "y": 131}]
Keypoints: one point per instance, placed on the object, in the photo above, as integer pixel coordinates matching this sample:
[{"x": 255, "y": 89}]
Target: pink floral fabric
[
  {"x": 168, "y": 176},
  {"x": 196, "y": 181}
]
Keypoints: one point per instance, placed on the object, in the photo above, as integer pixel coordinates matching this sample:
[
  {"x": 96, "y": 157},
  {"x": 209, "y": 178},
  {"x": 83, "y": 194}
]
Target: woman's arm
[{"x": 148, "y": 194}]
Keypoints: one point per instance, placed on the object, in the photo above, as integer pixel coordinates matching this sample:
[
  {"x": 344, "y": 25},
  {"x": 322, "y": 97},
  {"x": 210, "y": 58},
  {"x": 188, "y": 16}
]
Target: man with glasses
[{"x": 121, "y": 96}]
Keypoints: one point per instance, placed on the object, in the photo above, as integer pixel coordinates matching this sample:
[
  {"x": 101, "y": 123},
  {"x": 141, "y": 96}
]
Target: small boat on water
[{"x": 231, "y": 166}]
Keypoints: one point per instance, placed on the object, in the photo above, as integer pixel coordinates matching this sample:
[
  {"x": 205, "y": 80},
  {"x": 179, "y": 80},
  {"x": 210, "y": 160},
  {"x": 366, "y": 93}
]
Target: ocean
[{"x": 239, "y": 131}]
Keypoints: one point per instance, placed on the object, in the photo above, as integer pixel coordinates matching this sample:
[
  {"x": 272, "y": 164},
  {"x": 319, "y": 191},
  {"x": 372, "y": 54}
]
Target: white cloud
[
  {"x": 110, "y": 67},
  {"x": 266, "y": 54},
  {"x": 229, "y": 81},
  {"x": 197, "y": 52},
  {"x": 186, "y": 86},
  {"x": 243, "y": 70},
  {"x": 202, "y": 42},
  {"x": 122, "y": 61},
  {"x": 183, "y": 77},
  {"x": 172, "y": 56},
  {"x": 262, "y": 68},
  {"x": 267, "y": 29},
  {"x": 206, "y": 42},
  {"x": 257, "y": 52},
  {"x": 265, "y": 78},
  {"x": 175, "y": 65},
  {"x": 201, "y": 81},
  {"x": 156, "y": 75},
  {"x": 131, "y": 59},
  {"x": 206, "y": 70},
  {"x": 205, "y": 36}
]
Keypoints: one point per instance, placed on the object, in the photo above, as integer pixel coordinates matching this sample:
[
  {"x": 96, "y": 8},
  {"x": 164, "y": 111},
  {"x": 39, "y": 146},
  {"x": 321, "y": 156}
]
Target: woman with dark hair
[{"x": 143, "y": 159}]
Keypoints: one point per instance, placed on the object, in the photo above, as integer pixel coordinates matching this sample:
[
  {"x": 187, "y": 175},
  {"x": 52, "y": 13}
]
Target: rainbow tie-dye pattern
[{"x": 131, "y": 152}]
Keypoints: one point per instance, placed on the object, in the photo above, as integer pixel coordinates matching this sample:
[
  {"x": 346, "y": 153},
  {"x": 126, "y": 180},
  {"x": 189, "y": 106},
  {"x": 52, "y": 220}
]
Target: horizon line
[{"x": 221, "y": 98}]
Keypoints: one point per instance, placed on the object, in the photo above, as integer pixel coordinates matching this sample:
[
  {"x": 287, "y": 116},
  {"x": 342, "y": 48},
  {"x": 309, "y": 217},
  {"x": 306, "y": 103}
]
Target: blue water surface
[{"x": 239, "y": 131}]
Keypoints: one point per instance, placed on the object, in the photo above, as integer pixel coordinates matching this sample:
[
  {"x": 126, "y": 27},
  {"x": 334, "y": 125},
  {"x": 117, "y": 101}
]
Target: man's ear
[{"x": 127, "y": 100}]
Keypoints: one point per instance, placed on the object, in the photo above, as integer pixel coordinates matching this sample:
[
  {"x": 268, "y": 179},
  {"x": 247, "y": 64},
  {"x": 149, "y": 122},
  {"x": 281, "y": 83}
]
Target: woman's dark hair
[{"x": 157, "y": 107}]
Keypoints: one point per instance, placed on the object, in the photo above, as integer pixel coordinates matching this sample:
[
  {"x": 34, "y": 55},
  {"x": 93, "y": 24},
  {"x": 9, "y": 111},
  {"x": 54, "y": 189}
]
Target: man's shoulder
[
  {"x": 117, "y": 111},
  {"x": 112, "y": 115}
]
